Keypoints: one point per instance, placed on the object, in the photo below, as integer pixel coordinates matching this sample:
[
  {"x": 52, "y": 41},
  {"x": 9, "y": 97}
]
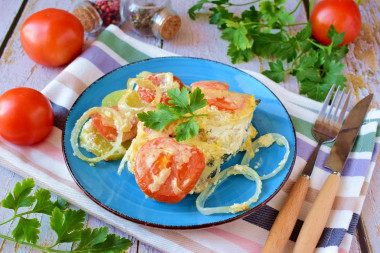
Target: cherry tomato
[
  {"x": 148, "y": 95},
  {"x": 108, "y": 130},
  {"x": 225, "y": 100},
  {"x": 26, "y": 116},
  {"x": 166, "y": 170},
  {"x": 215, "y": 85},
  {"x": 52, "y": 37},
  {"x": 344, "y": 15}
]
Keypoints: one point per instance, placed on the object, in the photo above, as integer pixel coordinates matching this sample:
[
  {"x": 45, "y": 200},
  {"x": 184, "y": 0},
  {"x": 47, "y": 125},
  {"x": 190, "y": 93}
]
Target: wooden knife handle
[
  {"x": 317, "y": 217},
  {"x": 287, "y": 218}
]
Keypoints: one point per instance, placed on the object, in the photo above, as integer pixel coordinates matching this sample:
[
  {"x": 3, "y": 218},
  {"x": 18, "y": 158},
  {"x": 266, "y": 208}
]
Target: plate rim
[{"x": 176, "y": 227}]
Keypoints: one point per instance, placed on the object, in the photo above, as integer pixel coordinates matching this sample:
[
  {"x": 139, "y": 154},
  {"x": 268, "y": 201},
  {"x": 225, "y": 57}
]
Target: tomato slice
[
  {"x": 225, "y": 100},
  {"x": 108, "y": 130},
  {"x": 214, "y": 85},
  {"x": 148, "y": 95},
  {"x": 166, "y": 170}
]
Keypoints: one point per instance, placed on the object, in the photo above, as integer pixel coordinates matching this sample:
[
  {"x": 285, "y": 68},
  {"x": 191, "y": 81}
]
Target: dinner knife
[{"x": 317, "y": 217}]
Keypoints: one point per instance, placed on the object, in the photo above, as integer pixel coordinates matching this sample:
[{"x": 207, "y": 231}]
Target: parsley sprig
[
  {"x": 183, "y": 106},
  {"x": 66, "y": 223},
  {"x": 264, "y": 32}
]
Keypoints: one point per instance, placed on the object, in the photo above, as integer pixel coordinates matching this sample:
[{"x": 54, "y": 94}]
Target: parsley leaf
[
  {"x": 186, "y": 129},
  {"x": 305, "y": 33},
  {"x": 183, "y": 107},
  {"x": 197, "y": 7},
  {"x": 276, "y": 72},
  {"x": 91, "y": 237},
  {"x": 98, "y": 240},
  {"x": 332, "y": 73},
  {"x": 159, "y": 119},
  {"x": 113, "y": 243},
  {"x": 20, "y": 196},
  {"x": 220, "y": 15},
  {"x": 196, "y": 100},
  {"x": 313, "y": 89},
  {"x": 67, "y": 223},
  {"x": 27, "y": 229},
  {"x": 179, "y": 100},
  {"x": 44, "y": 204}
]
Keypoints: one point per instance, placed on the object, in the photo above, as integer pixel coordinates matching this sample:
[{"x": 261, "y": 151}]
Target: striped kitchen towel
[{"x": 44, "y": 162}]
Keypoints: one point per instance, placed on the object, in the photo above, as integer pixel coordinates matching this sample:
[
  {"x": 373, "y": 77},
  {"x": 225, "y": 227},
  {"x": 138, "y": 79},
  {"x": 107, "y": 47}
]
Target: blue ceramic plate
[{"x": 122, "y": 196}]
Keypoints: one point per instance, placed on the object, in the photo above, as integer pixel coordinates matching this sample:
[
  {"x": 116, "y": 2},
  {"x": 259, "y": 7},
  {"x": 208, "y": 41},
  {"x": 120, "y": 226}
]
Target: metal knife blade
[{"x": 347, "y": 135}]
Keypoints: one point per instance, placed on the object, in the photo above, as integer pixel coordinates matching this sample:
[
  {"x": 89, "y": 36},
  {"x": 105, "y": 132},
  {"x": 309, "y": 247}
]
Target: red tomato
[
  {"x": 148, "y": 95},
  {"x": 215, "y": 85},
  {"x": 166, "y": 170},
  {"x": 26, "y": 116},
  {"x": 225, "y": 100},
  {"x": 344, "y": 15},
  {"x": 108, "y": 131},
  {"x": 52, "y": 37}
]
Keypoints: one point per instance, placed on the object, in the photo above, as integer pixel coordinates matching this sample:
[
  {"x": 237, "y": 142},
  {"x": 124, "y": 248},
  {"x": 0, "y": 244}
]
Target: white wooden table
[{"x": 198, "y": 39}]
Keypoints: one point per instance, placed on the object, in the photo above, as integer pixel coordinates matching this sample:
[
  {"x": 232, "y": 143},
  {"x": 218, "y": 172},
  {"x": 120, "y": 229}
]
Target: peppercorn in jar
[{"x": 94, "y": 14}]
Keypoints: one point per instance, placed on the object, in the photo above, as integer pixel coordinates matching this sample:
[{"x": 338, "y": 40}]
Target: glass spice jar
[
  {"x": 153, "y": 18},
  {"x": 95, "y": 14}
]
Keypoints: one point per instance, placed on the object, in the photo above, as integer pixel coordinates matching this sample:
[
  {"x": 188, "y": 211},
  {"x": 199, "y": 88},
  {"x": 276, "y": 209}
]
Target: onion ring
[
  {"x": 82, "y": 120},
  {"x": 248, "y": 172},
  {"x": 257, "y": 144}
]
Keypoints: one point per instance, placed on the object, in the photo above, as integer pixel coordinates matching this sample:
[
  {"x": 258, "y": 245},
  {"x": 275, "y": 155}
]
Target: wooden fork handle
[
  {"x": 317, "y": 217},
  {"x": 287, "y": 217}
]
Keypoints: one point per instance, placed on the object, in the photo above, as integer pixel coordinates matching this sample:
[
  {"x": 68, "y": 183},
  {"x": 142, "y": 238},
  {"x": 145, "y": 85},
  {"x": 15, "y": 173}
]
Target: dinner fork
[{"x": 325, "y": 129}]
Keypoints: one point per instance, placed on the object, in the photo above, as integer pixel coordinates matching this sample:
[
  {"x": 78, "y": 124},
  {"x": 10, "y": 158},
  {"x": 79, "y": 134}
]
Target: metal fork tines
[{"x": 329, "y": 122}]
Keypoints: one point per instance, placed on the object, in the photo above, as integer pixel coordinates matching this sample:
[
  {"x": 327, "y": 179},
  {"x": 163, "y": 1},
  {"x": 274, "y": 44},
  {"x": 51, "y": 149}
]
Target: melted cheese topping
[
  {"x": 221, "y": 135},
  {"x": 175, "y": 187},
  {"x": 159, "y": 179}
]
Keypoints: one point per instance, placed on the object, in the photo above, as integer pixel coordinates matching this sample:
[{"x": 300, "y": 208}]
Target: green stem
[
  {"x": 295, "y": 61},
  {"x": 261, "y": 25},
  {"x": 316, "y": 44},
  {"x": 15, "y": 216},
  {"x": 5, "y": 222},
  {"x": 298, "y": 5},
  {"x": 253, "y": 2},
  {"x": 255, "y": 23},
  {"x": 296, "y": 24},
  {"x": 32, "y": 245}
]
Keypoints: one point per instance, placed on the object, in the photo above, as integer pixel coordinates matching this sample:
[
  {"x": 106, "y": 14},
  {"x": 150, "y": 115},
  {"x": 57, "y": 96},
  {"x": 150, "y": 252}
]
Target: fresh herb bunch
[
  {"x": 183, "y": 106},
  {"x": 264, "y": 32},
  {"x": 66, "y": 223}
]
